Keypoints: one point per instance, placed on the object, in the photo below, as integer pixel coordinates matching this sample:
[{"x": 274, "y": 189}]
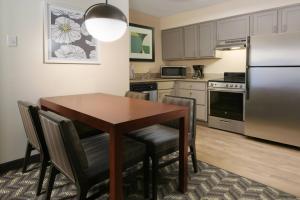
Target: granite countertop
[{"x": 206, "y": 78}]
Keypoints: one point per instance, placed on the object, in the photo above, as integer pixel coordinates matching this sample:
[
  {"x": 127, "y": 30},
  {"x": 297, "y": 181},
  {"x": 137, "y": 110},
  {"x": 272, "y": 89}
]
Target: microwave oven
[{"x": 173, "y": 72}]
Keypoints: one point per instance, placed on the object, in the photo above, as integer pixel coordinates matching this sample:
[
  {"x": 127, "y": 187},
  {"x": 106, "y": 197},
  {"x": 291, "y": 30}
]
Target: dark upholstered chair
[
  {"x": 137, "y": 95},
  {"x": 85, "y": 162},
  {"x": 163, "y": 139},
  {"x": 35, "y": 138},
  {"x": 85, "y": 131}
]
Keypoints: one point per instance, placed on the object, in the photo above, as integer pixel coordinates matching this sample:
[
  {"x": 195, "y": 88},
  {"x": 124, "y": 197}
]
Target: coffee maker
[{"x": 198, "y": 71}]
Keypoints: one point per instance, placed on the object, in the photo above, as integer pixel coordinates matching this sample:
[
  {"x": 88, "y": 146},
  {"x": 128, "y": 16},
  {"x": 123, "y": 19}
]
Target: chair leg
[
  {"x": 146, "y": 177},
  {"x": 82, "y": 193},
  {"x": 43, "y": 168},
  {"x": 154, "y": 176},
  {"x": 53, "y": 173},
  {"x": 194, "y": 158},
  {"x": 27, "y": 156}
]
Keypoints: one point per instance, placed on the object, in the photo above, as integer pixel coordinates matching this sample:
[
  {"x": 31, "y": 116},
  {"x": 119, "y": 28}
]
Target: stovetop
[
  {"x": 231, "y": 77},
  {"x": 230, "y": 81}
]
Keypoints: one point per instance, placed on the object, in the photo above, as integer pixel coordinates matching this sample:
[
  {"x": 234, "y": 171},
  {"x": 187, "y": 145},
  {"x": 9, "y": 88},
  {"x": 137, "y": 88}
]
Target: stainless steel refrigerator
[{"x": 273, "y": 88}]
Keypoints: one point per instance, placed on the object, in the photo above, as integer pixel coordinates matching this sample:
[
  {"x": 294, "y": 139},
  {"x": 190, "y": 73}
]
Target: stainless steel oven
[{"x": 226, "y": 107}]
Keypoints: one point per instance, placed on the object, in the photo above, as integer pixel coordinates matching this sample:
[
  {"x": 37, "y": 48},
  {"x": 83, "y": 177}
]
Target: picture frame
[
  {"x": 66, "y": 40},
  {"x": 142, "y": 43}
]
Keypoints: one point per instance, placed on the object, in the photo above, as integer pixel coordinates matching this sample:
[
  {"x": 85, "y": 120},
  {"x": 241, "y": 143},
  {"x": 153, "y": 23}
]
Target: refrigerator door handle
[
  {"x": 247, "y": 69},
  {"x": 248, "y": 83}
]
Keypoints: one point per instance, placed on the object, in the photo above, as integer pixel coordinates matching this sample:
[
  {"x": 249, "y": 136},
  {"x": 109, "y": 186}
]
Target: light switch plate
[{"x": 12, "y": 40}]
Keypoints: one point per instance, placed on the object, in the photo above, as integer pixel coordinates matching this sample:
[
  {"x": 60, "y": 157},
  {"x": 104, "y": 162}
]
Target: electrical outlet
[{"x": 12, "y": 40}]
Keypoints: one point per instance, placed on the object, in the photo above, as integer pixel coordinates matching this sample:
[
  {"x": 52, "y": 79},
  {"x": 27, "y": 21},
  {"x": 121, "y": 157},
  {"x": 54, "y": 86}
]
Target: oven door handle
[{"x": 227, "y": 90}]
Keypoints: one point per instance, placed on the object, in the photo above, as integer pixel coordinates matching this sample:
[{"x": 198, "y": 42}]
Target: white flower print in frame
[{"x": 66, "y": 37}]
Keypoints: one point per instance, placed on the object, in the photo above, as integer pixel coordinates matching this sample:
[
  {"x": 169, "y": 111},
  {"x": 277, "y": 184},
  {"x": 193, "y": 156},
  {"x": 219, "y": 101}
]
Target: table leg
[
  {"x": 183, "y": 154},
  {"x": 115, "y": 166}
]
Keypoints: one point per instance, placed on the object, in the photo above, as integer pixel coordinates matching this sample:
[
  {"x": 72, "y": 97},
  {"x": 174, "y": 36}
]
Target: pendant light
[{"x": 105, "y": 22}]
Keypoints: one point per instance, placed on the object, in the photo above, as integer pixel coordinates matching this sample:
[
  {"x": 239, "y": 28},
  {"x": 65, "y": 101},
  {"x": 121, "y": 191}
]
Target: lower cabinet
[
  {"x": 183, "y": 92},
  {"x": 200, "y": 96},
  {"x": 162, "y": 93},
  {"x": 201, "y": 112},
  {"x": 196, "y": 90},
  {"x": 165, "y": 88}
]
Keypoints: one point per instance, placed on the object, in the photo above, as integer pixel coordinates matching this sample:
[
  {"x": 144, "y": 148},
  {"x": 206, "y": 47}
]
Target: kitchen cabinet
[
  {"x": 207, "y": 39},
  {"x": 201, "y": 112},
  {"x": 190, "y": 41},
  {"x": 233, "y": 28},
  {"x": 289, "y": 19},
  {"x": 191, "y": 85},
  {"x": 200, "y": 96},
  {"x": 196, "y": 90},
  {"x": 172, "y": 44},
  {"x": 265, "y": 22},
  {"x": 183, "y": 92},
  {"x": 162, "y": 93},
  {"x": 165, "y": 88}
]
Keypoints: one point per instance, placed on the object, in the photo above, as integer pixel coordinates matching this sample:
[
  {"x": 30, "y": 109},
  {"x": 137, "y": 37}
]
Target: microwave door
[{"x": 173, "y": 72}]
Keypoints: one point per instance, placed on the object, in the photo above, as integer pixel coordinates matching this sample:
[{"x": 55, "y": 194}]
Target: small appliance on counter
[
  {"x": 198, "y": 71},
  {"x": 173, "y": 71}
]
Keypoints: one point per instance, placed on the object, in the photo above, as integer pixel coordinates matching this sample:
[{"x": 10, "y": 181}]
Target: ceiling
[{"x": 161, "y": 8}]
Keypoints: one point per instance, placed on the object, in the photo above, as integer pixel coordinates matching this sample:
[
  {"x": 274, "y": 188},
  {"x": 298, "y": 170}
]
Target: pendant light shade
[{"x": 105, "y": 22}]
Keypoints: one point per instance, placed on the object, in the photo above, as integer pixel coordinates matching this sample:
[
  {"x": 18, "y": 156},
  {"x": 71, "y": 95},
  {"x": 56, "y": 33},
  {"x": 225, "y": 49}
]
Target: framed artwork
[
  {"x": 66, "y": 39},
  {"x": 141, "y": 43}
]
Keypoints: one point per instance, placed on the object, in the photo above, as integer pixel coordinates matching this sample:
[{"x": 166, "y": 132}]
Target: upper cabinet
[
  {"x": 207, "y": 35},
  {"x": 172, "y": 44},
  {"x": 233, "y": 28},
  {"x": 264, "y": 22},
  {"x": 290, "y": 19},
  {"x": 199, "y": 40},
  {"x": 190, "y": 41}
]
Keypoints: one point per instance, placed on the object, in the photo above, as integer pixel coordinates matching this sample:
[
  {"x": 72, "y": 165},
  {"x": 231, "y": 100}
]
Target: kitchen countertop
[{"x": 204, "y": 79}]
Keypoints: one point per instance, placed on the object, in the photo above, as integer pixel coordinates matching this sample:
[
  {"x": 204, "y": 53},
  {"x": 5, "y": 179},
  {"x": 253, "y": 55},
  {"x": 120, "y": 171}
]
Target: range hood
[{"x": 228, "y": 45}]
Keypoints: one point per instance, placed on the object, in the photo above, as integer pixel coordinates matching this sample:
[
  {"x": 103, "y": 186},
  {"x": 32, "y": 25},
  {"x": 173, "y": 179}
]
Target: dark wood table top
[{"x": 110, "y": 110}]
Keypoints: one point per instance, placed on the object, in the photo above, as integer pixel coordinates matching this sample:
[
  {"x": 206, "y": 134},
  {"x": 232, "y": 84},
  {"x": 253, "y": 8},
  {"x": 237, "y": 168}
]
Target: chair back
[
  {"x": 65, "y": 149},
  {"x": 183, "y": 101},
  {"x": 32, "y": 125},
  {"x": 137, "y": 95}
]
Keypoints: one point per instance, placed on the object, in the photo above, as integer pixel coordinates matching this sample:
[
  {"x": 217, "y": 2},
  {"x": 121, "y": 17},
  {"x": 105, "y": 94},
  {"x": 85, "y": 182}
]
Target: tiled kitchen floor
[{"x": 272, "y": 164}]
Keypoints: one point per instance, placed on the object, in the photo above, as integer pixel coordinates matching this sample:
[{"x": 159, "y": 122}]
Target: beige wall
[
  {"x": 226, "y": 9},
  {"x": 232, "y": 60},
  {"x": 148, "y": 20},
  {"x": 24, "y": 76}
]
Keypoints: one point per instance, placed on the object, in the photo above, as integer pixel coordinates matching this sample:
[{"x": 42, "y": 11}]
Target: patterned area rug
[{"x": 210, "y": 183}]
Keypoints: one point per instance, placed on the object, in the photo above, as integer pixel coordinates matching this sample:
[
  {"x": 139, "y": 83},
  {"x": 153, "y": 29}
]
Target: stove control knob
[
  {"x": 227, "y": 85},
  {"x": 241, "y": 86},
  {"x": 236, "y": 86},
  {"x": 231, "y": 85}
]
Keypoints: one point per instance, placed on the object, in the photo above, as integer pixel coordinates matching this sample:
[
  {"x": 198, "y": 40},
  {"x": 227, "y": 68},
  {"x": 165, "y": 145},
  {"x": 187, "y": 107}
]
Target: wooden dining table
[{"x": 117, "y": 116}]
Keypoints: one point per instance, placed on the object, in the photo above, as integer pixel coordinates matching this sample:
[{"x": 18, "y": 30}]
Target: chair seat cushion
[
  {"x": 160, "y": 139},
  {"x": 97, "y": 153}
]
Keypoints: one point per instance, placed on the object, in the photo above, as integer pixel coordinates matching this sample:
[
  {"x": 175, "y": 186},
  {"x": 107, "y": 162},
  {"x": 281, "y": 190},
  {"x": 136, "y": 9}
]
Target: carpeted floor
[{"x": 210, "y": 183}]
